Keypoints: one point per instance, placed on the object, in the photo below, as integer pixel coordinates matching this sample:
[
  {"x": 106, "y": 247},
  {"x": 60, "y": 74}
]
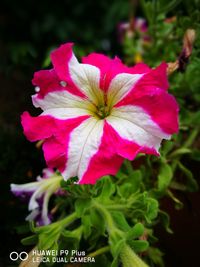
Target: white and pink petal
[
  {"x": 85, "y": 78},
  {"x": 46, "y": 81},
  {"x": 105, "y": 161},
  {"x": 83, "y": 145},
  {"x": 109, "y": 68},
  {"x": 134, "y": 125},
  {"x": 120, "y": 86},
  {"x": 158, "y": 104}
]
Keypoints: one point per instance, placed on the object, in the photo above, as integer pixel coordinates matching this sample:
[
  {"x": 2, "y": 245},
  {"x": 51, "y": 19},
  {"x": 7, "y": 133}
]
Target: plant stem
[
  {"x": 191, "y": 138},
  {"x": 99, "y": 251},
  {"x": 188, "y": 143},
  {"x": 116, "y": 207},
  {"x": 112, "y": 230},
  {"x": 68, "y": 220},
  {"x": 130, "y": 259},
  {"x": 106, "y": 215}
]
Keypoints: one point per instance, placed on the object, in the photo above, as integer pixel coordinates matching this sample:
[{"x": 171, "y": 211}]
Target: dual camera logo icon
[{"x": 14, "y": 256}]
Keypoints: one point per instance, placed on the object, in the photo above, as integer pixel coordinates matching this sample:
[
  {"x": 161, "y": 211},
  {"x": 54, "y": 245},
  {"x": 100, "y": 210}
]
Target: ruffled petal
[
  {"x": 44, "y": 126},
  {"x": 55, "y": 135},
  {"x": 47, "y": 81}
]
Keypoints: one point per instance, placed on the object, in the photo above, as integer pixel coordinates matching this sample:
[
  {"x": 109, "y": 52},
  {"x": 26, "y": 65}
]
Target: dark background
[{"x": 29, "y": 30}]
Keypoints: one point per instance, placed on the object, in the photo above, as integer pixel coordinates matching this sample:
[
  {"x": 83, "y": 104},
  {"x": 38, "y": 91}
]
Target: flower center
[
  {"x": 100, "y": 107},
  {"x": 102, "y": 111}
]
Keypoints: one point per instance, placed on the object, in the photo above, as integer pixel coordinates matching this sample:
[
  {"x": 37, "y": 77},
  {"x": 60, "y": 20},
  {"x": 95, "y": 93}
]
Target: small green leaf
[
  {"x": 120, "y": 220},
  {"x": 178, "y": 203},
  {"x": 169, "y": 6},
  {"x": 139, "y": 245},
  {"x": 179, "y": 152},
  {"x": 115, "y": 262},
  {"x": 97, "y": 222},
  {"x": 136, "y": 231},
  {"x": 167, "y": 147},
  {"x": 48, "y": 239},
  {"x": 191, "y": 183},
  {"x": 73, "y": 237},
  {"x": 81, "y": 205},
  {"x": 116, "y": 246},
  {"x": 164, "y": 177},
  {"x": 125, "y": 190},
  {"x": 152, "y": 209},
  {"x": 30, "y": 240},
  {"x": 165, "y": 221},
  {"x": 156, "y": 256},
  {"x": 135, "y": 179},
  {"x": 86, "y": 222},
  {"x": 108, "y": 189}
]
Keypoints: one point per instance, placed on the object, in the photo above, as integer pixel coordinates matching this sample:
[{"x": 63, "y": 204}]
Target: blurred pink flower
[{"x": 137, "y": 25}]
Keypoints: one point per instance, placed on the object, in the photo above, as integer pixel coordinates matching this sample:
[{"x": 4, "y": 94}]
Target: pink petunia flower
[{"x": 98, "y": 112}]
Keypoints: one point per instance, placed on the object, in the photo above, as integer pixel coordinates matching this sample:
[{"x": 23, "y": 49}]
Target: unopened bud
[{"x": 188, "y": 40}]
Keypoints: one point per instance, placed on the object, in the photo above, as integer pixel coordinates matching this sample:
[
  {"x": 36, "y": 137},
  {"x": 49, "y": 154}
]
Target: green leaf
[
  {"x": 49, "y": 238},
  {"x": 152, "y": 209},
  {"x": 139, "y": 245},
  {"x": 120, "y": 220},
  {"x": 108, "y": 189},
  {"x": 135, "y": 232},
  {"x": 179, "y": 152},
  {"x": 135, "y": 179},
  {"x": 121, "y": 175},
  {"x": 167, "y": 147},
  {"x": 115, "y": 262},
  {"x": 169, "y": 6},
  {"x": 143, "y": 207},
  {"x": 30, "y": 240},
  {"x": 82, "y": 205},
  {"x": 125, "y": 190},
  {"x": 191, "y": 183},
  {"x": 165, "y": 219},
  {"x": 179, "y": 204},
  {"x": 164, "y": 177},
  {"x": 97, "y": 222},
  {"x": 116, "y": 248},
  {"x": 156, "y": 256},
  {"x": 86, "y": 223},
  {"x": 74, "y": 234}
]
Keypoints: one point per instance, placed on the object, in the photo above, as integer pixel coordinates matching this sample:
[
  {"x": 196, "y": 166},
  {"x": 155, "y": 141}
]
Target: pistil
[{"x": 102, "y": 112}]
